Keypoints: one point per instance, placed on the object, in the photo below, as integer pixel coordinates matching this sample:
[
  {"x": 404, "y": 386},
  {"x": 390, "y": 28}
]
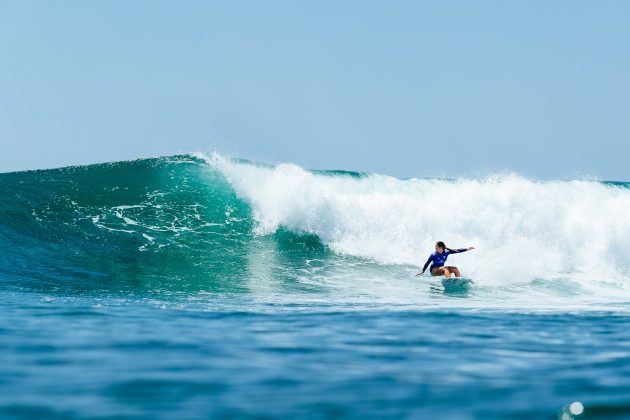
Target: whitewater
[
  {"x": 533, "y": 238},
  {"x": 201, "y": 285}
]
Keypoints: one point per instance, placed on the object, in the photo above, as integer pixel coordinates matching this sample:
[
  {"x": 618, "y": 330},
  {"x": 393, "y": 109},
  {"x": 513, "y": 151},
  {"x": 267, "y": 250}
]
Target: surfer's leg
[
  {"x": 454, "y": 270},
  {"x": 447, "y": 272},
  {"x": 437, "y": 271}
]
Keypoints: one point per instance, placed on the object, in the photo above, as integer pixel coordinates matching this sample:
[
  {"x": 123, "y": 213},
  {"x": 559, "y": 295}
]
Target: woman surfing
[{"x": 438, "y": 258}]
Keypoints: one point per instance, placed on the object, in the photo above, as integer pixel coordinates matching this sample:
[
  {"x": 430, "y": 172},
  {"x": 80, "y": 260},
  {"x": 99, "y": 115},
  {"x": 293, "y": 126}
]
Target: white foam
[{"x": 522, "y": 229}]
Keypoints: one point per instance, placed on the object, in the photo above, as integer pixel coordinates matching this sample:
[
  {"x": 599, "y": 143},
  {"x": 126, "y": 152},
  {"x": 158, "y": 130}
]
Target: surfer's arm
[
  {"x": 457, "y": 251},
  {"x": 426, "y": 264}
]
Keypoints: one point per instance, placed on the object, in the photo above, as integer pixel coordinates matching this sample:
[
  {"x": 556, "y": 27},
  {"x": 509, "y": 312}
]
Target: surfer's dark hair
[{"x": 441, "y": 245}]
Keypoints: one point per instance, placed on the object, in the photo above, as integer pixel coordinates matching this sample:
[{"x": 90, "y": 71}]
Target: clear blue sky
[{"x": 413, "y": 88}]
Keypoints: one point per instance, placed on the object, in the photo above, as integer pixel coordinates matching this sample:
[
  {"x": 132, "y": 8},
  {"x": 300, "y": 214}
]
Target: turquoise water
[{"x": 195, "y": 286}]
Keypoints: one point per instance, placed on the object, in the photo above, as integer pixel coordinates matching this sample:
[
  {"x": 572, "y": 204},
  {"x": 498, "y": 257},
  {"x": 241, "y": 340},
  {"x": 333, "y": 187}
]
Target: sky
[{"x": 404, "y": 88}]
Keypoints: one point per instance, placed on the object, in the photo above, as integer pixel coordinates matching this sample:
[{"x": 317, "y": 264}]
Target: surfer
[{"x": 438, "y": 258}]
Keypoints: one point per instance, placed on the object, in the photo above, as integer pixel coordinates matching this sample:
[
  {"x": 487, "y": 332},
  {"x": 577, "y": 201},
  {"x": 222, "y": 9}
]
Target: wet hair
[{"x": 441, "y": 245}]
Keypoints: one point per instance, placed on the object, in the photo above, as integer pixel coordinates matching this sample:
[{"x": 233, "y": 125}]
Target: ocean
[{"x": 200, "y": 286}]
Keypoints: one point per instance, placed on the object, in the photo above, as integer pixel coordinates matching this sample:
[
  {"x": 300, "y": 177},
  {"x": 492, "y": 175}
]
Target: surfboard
[{"x": 456, "y": 284}]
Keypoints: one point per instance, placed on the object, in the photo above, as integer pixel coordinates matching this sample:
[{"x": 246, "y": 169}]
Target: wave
[{"x": 208, "y": 223}]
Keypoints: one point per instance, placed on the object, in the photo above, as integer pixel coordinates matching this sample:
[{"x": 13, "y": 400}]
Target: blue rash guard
[{"x": 438, "y": 259}]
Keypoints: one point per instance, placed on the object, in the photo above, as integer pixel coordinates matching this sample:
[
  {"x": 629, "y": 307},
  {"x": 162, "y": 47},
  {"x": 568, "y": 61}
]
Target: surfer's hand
[
  {"x": 419, "y": 274},
  {"x": 471, "y": 247}
]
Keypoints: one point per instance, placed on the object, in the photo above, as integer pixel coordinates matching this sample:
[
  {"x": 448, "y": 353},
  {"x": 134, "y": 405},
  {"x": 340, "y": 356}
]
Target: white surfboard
[{"x": 456, "y": 284}]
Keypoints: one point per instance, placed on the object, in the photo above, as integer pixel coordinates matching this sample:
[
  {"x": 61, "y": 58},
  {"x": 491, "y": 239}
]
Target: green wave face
[{"x": 166, "y": 224}]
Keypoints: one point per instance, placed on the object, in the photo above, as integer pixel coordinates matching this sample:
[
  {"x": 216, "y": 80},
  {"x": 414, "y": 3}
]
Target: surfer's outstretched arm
[{"x": 457, "y": 251}]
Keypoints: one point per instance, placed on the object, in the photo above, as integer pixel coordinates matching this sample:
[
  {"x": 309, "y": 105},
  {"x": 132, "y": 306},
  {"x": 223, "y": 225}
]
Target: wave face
[
  {"x": 203, "y": 223},
  {"x": 167, "y": 223}
]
